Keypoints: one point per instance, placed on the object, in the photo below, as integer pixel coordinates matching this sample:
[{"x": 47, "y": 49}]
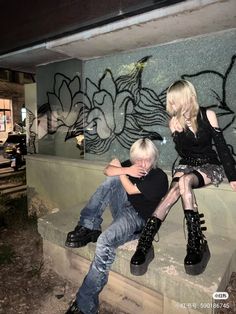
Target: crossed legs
[{"x": 198, "y": 254}]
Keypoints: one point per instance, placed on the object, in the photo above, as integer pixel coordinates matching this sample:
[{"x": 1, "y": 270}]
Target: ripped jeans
[
  {"x": 110, "y": 193},
  {"x": 126, "y": 223}
]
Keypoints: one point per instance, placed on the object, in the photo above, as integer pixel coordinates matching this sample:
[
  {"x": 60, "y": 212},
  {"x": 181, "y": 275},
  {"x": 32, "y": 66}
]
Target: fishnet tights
[{"x": 182, "y": 188}]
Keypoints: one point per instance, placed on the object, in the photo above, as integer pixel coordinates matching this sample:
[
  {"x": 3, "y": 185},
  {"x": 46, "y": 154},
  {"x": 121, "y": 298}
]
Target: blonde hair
[
  {"x": 144, "y": 149},
  {"x": 184, "y": 94}
]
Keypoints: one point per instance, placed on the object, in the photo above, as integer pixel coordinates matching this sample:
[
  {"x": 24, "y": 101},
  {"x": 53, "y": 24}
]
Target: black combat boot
[
  {"x": 144, "y": 252},
  {"x": 198, "y": 253},
  {"x": 73, "y": 309},
  {"x": 81, "y": 236}
]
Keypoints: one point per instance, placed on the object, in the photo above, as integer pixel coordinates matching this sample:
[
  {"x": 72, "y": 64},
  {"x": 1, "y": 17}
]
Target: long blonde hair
[{"x": 183, "y": 94}]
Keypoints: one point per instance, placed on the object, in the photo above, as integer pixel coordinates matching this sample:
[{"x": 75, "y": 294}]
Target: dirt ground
[{"x": 26, "y": 283}]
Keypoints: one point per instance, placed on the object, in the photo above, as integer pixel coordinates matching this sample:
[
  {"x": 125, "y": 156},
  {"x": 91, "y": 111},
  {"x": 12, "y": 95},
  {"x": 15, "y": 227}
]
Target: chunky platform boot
[
  {"x": 81, "y": 236},
  {"x": 73, "y": 309},
  {"x": 144, "y": 252},
  {"x": 198, "y": 253}
]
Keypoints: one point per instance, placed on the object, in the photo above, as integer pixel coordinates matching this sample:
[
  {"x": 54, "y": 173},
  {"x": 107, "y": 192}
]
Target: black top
[
  {"x": 196, "y": 146},
  {"x": 196, "y": 149},
  {"x": 153, "y": 187}
]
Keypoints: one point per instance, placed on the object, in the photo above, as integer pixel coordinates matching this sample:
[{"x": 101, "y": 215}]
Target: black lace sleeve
[
  {"x": 224, "y": 153},
  {"x": 222, "y": 148}
]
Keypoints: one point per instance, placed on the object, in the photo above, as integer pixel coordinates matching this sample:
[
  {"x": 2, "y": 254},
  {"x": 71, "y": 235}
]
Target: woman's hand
[
  {"x": 174, "y": 125},
  {"x": 233, "y": 185}
]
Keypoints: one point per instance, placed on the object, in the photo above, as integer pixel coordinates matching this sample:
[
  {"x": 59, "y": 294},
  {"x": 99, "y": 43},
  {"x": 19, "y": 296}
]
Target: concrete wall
[
  {"x": 56, "y": 183},
  {"x": 58, "y": 100},
  {"x": 115, "y": 100}
]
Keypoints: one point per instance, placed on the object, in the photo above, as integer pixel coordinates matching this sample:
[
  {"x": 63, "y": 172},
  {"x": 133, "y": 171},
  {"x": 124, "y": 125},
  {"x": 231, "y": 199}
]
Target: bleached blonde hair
[
  {"x": 184, "y": 94},
  {"x": 144, "y": 148}
]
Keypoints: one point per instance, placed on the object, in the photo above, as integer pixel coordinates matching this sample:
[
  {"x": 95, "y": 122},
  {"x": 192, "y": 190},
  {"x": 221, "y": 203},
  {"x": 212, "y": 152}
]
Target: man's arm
[
  {"x": 129, "y": 187},
  {"x": 114, "y": 168}
]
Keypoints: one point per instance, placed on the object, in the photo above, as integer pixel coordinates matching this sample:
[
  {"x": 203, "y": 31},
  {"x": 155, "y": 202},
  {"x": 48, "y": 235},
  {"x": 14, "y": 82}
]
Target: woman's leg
[
  {"x": 169, "y": 199},
  {"x": 198, "y": 253},
  {"x": 143, "y": 254}
]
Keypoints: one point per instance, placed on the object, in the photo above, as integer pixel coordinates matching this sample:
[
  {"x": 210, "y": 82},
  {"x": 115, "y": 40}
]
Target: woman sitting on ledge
[{"x": 193, "y": 129}]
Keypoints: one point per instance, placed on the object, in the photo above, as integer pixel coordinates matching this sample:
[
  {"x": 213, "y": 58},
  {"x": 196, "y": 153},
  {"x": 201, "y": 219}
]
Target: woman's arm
[
  {"x": 222, "y": 149},
  {"x": 211, "y": 116},
  {"x": 174, "y": 125}
]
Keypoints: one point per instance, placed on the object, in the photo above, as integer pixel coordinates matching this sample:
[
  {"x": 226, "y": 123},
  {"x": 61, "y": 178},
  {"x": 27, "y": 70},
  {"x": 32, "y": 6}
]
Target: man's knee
[
  {"x": 104, "y": 254},
  {"x": 111, "y": 181}
]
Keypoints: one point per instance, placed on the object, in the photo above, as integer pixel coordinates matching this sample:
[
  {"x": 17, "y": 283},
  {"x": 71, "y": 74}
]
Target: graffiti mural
[
  {"x": 122, "y": 113},
  {"x": 223, "y": 108},
  {"x": 118, "y": 109},
  {"x": 220, "y": 100}
]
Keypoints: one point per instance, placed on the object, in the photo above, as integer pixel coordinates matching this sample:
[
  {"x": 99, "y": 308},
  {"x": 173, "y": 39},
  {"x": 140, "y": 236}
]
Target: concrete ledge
[
  {"x": 56, "y": 182},
  {"x": 58, "y": 187},
  {"x": 60, "y": 182},
  {"x": 165, "y": 278},
  {"x": 124, "y": 295}
]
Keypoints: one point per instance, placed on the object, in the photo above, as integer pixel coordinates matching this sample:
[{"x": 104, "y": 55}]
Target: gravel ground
[{"x": 27, "y": 285}]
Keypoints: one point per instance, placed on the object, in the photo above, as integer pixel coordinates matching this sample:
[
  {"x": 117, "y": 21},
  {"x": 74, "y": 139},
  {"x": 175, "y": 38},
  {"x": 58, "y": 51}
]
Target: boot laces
[
  {"x": 195, "y": 236},
  {"x": 148, "y": 233}
]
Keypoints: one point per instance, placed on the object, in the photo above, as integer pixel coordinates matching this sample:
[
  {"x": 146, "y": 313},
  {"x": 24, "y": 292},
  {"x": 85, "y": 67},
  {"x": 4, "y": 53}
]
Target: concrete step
[
  {"x": 10, "y": 173},
  {"x": 176, "y": 291},
  {"x": 13, "y": 189}
]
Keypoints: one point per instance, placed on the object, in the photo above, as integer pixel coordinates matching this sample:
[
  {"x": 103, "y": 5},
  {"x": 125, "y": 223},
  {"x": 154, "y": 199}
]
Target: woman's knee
[
  {"x": 174, "y": 188},
  {"x": 185, "y": 183},
  {"x": 191, "y": 181}
]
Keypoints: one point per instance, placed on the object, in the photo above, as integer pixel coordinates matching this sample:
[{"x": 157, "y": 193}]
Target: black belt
[{"x": 191, "y": 161}]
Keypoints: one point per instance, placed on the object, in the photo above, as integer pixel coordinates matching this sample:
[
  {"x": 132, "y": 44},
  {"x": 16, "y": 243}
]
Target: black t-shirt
[{"x": 153, "y": 187}]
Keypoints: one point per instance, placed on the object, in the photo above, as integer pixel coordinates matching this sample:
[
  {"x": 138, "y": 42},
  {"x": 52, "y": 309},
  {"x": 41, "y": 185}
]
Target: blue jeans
[
  {"x": 110, "y": 192},
  {"x": 123, "y": 228}
]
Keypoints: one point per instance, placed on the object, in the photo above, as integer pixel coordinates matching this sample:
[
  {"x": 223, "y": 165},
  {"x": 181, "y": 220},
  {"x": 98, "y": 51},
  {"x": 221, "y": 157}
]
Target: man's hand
[{"x": 136, "y": 171}]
